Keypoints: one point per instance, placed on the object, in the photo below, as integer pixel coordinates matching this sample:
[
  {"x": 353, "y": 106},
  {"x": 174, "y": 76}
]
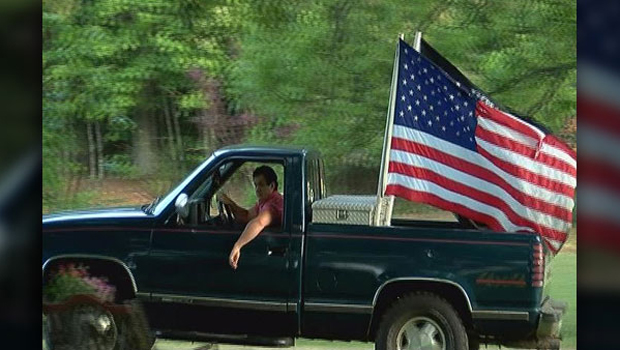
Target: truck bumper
[{"x": 549, "y": 326}]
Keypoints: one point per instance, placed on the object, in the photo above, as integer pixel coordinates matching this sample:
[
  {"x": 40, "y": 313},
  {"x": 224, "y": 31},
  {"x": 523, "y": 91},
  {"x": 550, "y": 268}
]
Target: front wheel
[
  {"x": 84, "y": 327},
  {"x": 421, "y": 321}
]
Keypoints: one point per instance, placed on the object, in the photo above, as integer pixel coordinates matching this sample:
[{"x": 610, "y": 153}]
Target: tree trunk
[
  {"x": 143, "y": 144},
  {"x": 167, "y": 118},
  {"x": 91, "y": 150},
  {"x": 99, "y": 150},
  {"x": 179, "y": 139}
]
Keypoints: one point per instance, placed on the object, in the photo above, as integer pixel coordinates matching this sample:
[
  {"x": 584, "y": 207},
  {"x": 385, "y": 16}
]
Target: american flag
[{"x": 451, "y": 150}]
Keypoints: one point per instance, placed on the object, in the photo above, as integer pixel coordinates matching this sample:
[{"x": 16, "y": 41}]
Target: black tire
[
  {"x": 84, "y": 327},
  {"x": 421, "y": 317},
  {"x": 69, "y": 330}
]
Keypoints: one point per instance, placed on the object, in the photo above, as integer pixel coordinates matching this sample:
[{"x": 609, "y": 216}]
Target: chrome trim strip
[
  {"x": 415, "y": 279},
  {"x": 220, "y": 302},
  {"x": 500, "y": 315},
  {"x": 291, "y": 307},
  {"x": 141, "y": 295},
  {"x": 338, "y": 308},
  {"x": 92, "y": 256}
]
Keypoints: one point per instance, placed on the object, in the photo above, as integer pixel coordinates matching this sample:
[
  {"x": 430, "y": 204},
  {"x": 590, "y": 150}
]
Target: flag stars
[
  {"x": 431, "y": 107},
  {"x": 432, "y": 80},
  {"x": 423, "y": 112},
  {"x": 404, "y": 81},
  {"x": 415, "y": 117},
  {"x": 458, "y": 133},
  {"x": 402, "y": 98},
  {"x": 430, "y": 123},
  {"x": 443, "y": 128},
  {"x": 419, "y": 87},
  {"x": 451, "y": 97},
  {"x": 451, "y": 123},
  {"x": 457, "y": 107},
  {"x": 465, "y": 104},
  {"x": 445, "y": 88},
  {"x": 409, "y": 108},
  {"x": 471, "y": 114},
  {"x": 406, "y": 66},
  {"x": 412, "y": 77},
  {"x": 402, "y": 114},
  {"x": 410, "y": 92},
  {"x": 417, "y": 102},
  {"x": 425, "y": 71},
  {"x": 424, "y": 97},
  {"x": 437, "y": 118}
]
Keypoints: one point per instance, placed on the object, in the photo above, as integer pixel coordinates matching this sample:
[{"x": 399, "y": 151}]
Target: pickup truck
[{"x": 410, "y": 285}]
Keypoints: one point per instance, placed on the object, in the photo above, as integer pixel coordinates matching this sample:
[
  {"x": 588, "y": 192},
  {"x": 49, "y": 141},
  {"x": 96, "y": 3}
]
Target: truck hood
[{"x": 95, "y": 214}]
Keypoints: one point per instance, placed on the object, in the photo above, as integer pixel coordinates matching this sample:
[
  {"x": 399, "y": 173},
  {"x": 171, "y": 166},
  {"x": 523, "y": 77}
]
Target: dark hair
[{"x": 268, "y": 173}]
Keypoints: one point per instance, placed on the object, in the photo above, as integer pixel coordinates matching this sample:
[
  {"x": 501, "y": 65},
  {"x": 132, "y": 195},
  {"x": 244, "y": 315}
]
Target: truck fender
[
  {"x": 391, "y": 289},
  {"x": 114, "y": 269}
]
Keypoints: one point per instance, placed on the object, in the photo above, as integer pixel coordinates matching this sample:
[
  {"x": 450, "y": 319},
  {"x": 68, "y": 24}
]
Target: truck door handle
[{"x": 277, "y": 251}]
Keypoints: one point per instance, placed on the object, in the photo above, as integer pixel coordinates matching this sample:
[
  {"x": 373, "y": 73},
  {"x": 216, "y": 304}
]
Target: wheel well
[
  {"x": 393, "y": 291},
  {"x": 112, "y": 269}
]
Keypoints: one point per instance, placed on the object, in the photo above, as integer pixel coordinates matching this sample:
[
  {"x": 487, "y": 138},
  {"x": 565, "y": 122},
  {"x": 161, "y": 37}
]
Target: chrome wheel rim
[
  {"x": 420, "y": 333},
  {"x": 93, "y": 328}
]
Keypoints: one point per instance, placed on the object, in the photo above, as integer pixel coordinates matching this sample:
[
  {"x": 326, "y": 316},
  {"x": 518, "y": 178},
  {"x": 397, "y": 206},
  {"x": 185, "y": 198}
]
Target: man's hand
[
  {"x": 224, "y": 199},
  {"x": 235, "y": 254}
]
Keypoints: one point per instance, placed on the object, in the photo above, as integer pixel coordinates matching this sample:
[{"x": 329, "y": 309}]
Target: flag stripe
[
  {"x": 558, "y": 149},
  {"x": 601, "y": 173},
  {"x": 528, "y": 176},
  {"x": 517, "y": 198},
  {"x": 523, "y": 166},
  {"x": 431, "y": 189},
  {"x": 525, "y": 150},
  {"x": 429, "y": 193},
  {"x": 505, "y": 132},
  {"x": 600, "y": 113},
  {"x": 600, "y": 145},
  {"x": 479, "y": 190},
  {"x": 410, "y": 140},
  {"x": 507, "y": 120}
]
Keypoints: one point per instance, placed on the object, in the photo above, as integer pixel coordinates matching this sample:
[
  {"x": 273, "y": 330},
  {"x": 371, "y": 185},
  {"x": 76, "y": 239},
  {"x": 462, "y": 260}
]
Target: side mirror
[{"x": 181, "y": 205}]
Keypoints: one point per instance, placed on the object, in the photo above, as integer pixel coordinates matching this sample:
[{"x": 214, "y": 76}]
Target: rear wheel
[{"x": 421, "y": 321}]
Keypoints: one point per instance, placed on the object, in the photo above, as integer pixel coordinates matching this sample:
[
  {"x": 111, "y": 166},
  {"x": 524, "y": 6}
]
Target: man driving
[{"x": 266, "y": 212}]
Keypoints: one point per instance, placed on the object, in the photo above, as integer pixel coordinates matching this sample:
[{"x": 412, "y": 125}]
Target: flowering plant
[{"x": 70, "y": 279}]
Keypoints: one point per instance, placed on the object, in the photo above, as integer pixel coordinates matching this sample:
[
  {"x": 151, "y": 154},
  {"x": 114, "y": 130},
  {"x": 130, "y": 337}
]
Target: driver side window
[{"x": 239, "y": 186}]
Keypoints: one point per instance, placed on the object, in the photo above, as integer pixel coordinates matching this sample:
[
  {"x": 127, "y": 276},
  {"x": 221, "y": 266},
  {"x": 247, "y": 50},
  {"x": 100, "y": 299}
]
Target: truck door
[{"x": 194, "y": 285}]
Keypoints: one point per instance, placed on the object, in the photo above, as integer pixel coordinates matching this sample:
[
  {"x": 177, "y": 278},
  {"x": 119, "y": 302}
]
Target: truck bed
[{"x": 349, "y": 265}]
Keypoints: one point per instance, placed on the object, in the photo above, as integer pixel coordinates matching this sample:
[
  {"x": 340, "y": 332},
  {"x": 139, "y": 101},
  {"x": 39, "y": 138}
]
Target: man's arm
[{"x": 252, "y": 229}]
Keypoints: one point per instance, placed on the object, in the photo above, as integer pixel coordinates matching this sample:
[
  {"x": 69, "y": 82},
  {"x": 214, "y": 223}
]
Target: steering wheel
[{"x": 225, "y": 213}]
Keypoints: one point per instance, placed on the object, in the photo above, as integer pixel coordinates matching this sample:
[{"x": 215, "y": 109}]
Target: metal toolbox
[{"x": 351, "y": 210}]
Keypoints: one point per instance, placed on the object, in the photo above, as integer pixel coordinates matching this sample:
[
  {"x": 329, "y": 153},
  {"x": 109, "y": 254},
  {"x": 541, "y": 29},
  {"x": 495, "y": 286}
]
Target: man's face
[{"x": 263, "y": 190}]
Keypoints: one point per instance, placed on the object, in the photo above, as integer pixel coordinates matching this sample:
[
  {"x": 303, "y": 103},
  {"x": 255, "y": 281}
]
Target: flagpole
[
  {"x": 417, "y": 42},
  {"x": 387, "y": 138}
]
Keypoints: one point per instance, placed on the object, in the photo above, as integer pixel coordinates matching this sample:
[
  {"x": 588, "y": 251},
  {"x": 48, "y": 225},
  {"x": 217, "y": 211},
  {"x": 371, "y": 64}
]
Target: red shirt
[{"x": 275, "y": 204}]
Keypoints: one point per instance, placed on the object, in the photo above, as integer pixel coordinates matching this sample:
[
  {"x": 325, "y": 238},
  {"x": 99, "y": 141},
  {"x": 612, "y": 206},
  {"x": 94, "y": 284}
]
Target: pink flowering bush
[{"x": 71, "y": 279}]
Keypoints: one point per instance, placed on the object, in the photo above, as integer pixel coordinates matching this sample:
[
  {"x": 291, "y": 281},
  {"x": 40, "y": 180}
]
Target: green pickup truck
[{"x": 410, "y": 285}]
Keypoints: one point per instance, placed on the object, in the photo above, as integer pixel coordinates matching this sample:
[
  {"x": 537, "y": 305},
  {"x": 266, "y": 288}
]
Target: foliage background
[{"x": 146, "y": 89}]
